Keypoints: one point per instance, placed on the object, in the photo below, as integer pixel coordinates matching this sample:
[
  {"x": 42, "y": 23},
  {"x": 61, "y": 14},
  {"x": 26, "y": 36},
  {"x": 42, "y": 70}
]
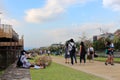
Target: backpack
[
  {"x": 19, "y": 63},
  {"x": 73, "y": 48}
]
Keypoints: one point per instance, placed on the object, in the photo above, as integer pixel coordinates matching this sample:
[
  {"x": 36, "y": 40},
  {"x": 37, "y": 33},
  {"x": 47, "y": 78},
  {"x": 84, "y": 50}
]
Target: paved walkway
[
  {"x": 14, "y": 73},
  {"x": 97, "y": 68}
]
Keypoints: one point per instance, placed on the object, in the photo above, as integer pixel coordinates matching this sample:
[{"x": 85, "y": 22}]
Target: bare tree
[{"x": 83, "y": 37}]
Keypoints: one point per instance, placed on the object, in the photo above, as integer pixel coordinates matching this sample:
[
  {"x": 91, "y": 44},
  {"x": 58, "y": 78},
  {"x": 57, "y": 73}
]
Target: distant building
[
  {"x": 105, "y": 35},
  {"x": 94, "y": 38},
  {"x": 57, "y": 45},
  {"x": 117, "y": 33}
]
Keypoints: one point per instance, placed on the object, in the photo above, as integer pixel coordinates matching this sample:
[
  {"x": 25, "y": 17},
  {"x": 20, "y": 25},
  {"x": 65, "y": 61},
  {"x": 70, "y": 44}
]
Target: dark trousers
[
  {"x": 82, "y": 57},
  {"x": 73, "y": 55}
]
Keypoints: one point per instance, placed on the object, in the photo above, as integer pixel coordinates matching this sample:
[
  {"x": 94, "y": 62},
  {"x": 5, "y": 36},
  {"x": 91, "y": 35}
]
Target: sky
[{"x": 45, "y": 22}]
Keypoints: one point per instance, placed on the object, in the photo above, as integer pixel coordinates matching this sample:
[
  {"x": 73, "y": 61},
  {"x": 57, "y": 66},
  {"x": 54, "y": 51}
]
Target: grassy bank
[
  {"x": 1, "y": 72},
  {"x": 103, "y": 59},
  {"x": 59, "y": 72}
]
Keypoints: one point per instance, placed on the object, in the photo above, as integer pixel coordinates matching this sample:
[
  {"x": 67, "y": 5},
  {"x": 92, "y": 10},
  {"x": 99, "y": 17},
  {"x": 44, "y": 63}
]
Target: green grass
[
  {"x": 103, "y": 59},
  {"x": 1, "y": 72},
  {"x": 59, "y": 72}
]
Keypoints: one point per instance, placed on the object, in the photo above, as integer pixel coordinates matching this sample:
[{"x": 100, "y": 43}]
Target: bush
[{"x": 43, "y": 59}]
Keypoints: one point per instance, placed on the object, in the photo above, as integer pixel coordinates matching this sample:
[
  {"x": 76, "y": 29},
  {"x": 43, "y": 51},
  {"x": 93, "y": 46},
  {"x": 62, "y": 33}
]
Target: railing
[
  {"x": 19, "y": 43},
  {"x": 6, "y": 31}
]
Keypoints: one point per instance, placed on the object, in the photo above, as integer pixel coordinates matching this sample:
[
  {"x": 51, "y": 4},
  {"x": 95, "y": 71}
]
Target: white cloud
[
  {"x": 16, "y": 25},
  {"x": 51, "y": 10},
  {"x": 113, "y": 4},
  {"x": 6, "y": 20},
  {"x": 11, "y": 22},
  {"x": 56, "y": 35},
  {"x": 62, "y": 34}
]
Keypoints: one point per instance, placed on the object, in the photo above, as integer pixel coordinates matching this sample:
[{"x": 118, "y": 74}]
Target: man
[{"x": 72, "y": 50}]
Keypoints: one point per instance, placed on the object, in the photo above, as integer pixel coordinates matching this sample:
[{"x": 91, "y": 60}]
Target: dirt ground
[{"x": 96, "y": 68}]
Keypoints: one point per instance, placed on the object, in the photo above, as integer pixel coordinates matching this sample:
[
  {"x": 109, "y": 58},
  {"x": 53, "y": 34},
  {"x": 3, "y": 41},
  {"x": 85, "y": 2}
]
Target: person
[
  {"x": 82, "y": 52},
  {"x": 72, "y": 50},
  {"x": 67, "y": 53},
  {"x": 91, "y": 53},
  {"x": 48, "y": 52},
  {"x": 112, "y": 53},
  {"x": 26, "y": 63},
  {"x": 109, "y": 53}
]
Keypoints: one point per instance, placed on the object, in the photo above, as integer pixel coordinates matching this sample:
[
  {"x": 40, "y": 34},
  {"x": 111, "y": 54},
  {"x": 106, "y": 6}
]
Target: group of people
[
  {"x": 24, "y": 63},
  {"x": 70, "y": 54},
  {"x": 71, "y": 51}
]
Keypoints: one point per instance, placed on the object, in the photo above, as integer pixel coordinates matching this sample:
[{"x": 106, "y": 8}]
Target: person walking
[
  {"x": 67, "y": 53},
  {"x": 82, "y": 52},
  {"x": 91, "y": 52},
  {"x": 72, "y": 50},
  {"x": 109, "y": 53},
  {"x": 112, "y": 54}
]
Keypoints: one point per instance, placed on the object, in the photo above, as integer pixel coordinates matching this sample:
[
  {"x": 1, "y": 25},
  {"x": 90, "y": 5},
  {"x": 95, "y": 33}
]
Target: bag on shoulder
[{"x": 73, "y": 48}]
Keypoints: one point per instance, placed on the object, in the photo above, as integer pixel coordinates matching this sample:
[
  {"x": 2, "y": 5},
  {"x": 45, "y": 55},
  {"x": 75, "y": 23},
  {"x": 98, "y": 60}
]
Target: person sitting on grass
[{"x": 27, "y": 64}]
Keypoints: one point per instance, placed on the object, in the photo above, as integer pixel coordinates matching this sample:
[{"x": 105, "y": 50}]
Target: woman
[
  {"x": 23, "y": 59},
  {"x": 109, "y": 53},
  {"x": 26, "y": 63},
  {"x": 67, "y": 53},
  {"x": 91, "y": 53},
  {"x": 82, "y": 52}
]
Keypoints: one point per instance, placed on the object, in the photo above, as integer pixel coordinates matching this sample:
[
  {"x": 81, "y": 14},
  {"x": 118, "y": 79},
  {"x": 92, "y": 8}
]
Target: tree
[
  {"x": 116, "y": 42},
  {"x": 83, "y": 37},
  {"x": 99, "y": 44}
]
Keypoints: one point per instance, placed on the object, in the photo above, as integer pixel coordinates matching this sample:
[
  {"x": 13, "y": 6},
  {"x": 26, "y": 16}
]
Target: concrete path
[
  {"x": 14, "y": 73},
  {"x": 96, "y": 68}
]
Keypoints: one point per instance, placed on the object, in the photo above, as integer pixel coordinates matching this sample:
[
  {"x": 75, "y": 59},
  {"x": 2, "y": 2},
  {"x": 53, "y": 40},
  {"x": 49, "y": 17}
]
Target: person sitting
[{"x": 26, "y": 63}]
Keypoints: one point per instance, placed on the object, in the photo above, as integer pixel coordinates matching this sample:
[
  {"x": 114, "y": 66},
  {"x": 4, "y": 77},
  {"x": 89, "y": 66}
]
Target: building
[
  {"x": 94, "y": 38},
  {"x": 106, "y": 35},
  {"x": 10, "y": 45},
  {"x": 117, "y": 33}
]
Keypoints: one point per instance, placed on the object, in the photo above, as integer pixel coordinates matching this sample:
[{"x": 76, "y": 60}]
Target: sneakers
[
  {"x": 112, "y": 64},
  {"x": 105, "y": 63}
]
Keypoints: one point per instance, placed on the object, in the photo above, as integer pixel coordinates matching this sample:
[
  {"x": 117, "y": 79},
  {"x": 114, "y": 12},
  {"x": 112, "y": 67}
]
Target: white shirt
[
  {"x": 25, "y": 62},
  {"x": 90, "y": 49},
  {"x": 112, "y": 45},
  {"x": 70, "y": 46}
]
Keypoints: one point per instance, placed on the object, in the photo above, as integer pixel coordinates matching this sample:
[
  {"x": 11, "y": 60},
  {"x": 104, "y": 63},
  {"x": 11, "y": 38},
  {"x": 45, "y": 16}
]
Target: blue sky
[{"x": 44, "y": 22}]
